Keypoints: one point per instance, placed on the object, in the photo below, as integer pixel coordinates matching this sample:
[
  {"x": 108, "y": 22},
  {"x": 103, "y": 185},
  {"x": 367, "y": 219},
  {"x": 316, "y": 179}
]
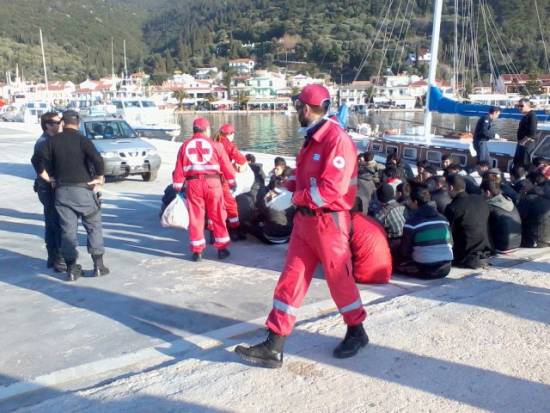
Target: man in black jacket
[
  {"x": 534, "y": 208},
  {"x": 65, "y": 162},
  {"x": 504, "y": 219},
  {"x": 439, "y": 190},
  {"x": 526, "y": 135},
  {"x": 484, "y": 132},
  {"x": 51, "y": 124},
  {"x": 468, "y": 217}
]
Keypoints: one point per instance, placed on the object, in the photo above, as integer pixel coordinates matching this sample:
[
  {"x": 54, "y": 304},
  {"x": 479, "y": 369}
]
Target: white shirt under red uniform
[
  {"x": 326, "y": 169},
  {"x": 324, "y": 186}
]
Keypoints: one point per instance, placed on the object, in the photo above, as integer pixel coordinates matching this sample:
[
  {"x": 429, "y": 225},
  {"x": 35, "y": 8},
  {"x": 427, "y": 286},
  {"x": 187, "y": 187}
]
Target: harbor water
[{"x": 277, "y": 133}]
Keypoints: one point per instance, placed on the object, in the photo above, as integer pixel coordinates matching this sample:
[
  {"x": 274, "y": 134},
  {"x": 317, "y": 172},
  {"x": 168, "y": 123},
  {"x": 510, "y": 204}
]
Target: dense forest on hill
[{"x": 331, "y": 36}]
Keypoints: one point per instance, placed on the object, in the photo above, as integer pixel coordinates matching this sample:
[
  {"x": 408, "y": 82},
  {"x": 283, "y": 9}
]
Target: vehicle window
[
  {"x": 118, "y": 104},
  {"x": 543, "y": 150},
  {"x": 409, "y": 153},
  {"x": 147, "y": 104},
  {"x": 108, "y": 130},
  {"x": 433, "y": 156},
  {"x": 132, "y": 104},
  {"x": 377, "y": 147},
  {"x": 392, "y": 149},
  {"x": 461, "y": 159}
]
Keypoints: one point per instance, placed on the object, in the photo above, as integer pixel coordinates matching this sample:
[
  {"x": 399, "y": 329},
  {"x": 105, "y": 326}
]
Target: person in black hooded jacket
[
  {"x": 366, "y": 186},
  {"x": 504, "y": 219},
  {"x": 468, "y": 217},
  {"x": 534, "y": 208}
]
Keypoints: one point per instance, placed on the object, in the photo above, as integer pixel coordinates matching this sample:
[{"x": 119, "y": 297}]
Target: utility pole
[
  {"x": 125, "y": 63},
  {"x": 44, "y": 63}
]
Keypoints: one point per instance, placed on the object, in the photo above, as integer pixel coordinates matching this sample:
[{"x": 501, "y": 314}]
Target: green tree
[{"x": 180, "y": 95}]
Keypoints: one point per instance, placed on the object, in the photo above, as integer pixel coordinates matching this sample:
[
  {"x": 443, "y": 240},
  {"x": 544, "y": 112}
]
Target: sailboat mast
[
  {"x": 44, "y": 64},
  {"x": 125, "y": 65},
  {"x": 438, "y": 7}
]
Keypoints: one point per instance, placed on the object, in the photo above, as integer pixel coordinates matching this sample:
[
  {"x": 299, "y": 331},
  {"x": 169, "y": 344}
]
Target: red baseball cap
[
  {"x": 314, "y": 95},
  {"x": 227, "y": 129},
  {"x": 201, "y": 123}
]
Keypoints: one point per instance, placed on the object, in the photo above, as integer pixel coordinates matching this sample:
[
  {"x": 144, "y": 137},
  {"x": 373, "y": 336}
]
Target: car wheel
[{"x": 149, "y": 176}]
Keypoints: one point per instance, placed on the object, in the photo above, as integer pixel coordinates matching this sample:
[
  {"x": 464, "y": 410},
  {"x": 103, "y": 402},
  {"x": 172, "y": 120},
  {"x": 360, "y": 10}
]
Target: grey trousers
[{"x": 74, "y": 202}]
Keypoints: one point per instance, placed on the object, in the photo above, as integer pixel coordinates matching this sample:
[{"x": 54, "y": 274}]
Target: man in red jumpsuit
[
  {"x": 201, "y": 163},
  {"x": 324, "y": 186},
  {"x": 225, "y": 136}
]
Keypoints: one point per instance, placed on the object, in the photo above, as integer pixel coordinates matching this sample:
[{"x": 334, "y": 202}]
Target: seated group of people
[
  {"x": 418, "y": 225},
  {"x": 435, "y": 220}
]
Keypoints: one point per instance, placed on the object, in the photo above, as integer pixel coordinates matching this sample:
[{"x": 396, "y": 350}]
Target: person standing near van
[{"x": 65, "y": 162}]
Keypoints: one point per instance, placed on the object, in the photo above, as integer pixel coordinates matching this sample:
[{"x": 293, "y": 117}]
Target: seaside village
[{"x": 244, "y": 87}]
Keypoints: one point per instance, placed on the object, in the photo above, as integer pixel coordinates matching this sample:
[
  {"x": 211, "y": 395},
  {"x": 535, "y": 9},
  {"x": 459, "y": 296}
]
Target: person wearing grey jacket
[{"x": 504, "y": 218}]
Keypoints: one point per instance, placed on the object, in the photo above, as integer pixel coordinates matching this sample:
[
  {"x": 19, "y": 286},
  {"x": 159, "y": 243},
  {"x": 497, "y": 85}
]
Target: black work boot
[
  {"x": 99, "y": 268},
  {"x": 223, "y": 253},
  {"x": 355, "y": 339},
  {"x": 235, "y": 234},
  {"x": 268, "y": 353},
  {"x": 74, "y": 271},
  {"x": 197, "y": 256},
  {"x": 59, "y": 265}
]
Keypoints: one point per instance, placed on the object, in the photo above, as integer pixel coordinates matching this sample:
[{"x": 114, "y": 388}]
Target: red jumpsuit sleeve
[
  {"x": 226, "y": 167},
  {"x": 178, "y": 176},
  {"x": 234, "y": 154},
  {"x": 335, "y": 178}
]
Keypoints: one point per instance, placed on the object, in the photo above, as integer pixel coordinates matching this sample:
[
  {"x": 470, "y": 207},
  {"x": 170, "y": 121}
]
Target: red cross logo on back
[{"x": 199, "y": 151}]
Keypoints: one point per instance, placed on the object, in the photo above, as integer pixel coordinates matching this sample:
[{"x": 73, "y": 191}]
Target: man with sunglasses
[
  {"x": 324, "y": 187},
  {"x": 66, "y": 161},
  {"x": 526, "y": 135},
  {"x": 51, "y": 125}
]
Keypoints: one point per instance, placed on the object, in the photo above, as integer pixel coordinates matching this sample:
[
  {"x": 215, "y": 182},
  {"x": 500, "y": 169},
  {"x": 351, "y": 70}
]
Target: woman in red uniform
[{"x": 225, "y": 136}]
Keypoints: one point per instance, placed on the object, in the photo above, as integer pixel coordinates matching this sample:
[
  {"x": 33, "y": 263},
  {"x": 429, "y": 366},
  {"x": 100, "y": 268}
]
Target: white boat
[
  {"x": 146, "y": 118},
  {"x": 421, "y": 144}
]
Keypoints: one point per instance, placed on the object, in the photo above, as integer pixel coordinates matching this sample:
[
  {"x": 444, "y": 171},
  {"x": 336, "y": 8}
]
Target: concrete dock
[{"x": 157, "y": 333}]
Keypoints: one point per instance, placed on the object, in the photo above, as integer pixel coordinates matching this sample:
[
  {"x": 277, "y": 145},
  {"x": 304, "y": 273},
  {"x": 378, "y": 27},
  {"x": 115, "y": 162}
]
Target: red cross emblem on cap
[{"x": 199, "y": 151}]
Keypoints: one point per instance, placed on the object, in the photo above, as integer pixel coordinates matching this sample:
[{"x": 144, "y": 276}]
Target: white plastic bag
[
  {"x": 244, "y": 180},
  {"x": 281, "y": 202},
  {"x": 176, "y": 214}
]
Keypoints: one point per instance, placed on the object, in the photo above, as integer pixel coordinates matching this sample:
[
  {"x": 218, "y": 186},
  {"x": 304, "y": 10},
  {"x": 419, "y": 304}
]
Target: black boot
[
  {"x": 99, "y": 268},
  {"x": 197, "y": 256},
  {"x": 74, "y": 271},
  {"x": 223, "y": 253},
  {"x": 59, "y": 265},
  {"x": 268, "y": 353},
  {"x": 355, "y": 339},
  {"x": 235, "y": 234}
]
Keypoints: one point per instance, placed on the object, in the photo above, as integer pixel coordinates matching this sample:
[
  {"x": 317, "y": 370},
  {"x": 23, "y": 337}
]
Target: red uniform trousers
[
  {"x": 323, "y": 238},
  {"x": 230, "y": 206},
  {"x": 205, "y": 196}
]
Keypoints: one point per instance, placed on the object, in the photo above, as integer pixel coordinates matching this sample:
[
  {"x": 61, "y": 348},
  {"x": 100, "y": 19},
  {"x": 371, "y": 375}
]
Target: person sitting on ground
[
  {"x": 428, "y": 172},
  {"x": 426, "y": 248},
  {"x": 420, "y": 166},
  {"x": 471, "y": 185},
  {"x": 439, "y": 192},
  {"x": 504, "y": 218},
  {"x": 373, "y": 166},
  {"x": 404, "y": 170},
  {"x": 372, "y": 260},
  {"x": 446, "y": 161},
  {"x": 280, "y": 170},
  {"x": 365, "y": 184},
  {"x": 534, "y": 209},
  {"x": 520, "y": 182},
  {"x": 481, "y": 169},
  {"x": 403, "y": 196},
  {"x": 468, "y": 216},
  {"x": 391, "y": 215},
  {"x": 258, "y": 189}
]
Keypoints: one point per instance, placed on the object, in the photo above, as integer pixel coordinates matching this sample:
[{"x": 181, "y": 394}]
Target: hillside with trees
[{"x": 306, "y": 35}]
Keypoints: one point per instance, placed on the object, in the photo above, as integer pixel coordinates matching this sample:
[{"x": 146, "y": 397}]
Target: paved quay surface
[{"x": 156, "y": 334}]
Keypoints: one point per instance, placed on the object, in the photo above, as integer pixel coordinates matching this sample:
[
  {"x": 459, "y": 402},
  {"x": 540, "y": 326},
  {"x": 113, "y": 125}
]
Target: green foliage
[{"x": 168, "y": 35}]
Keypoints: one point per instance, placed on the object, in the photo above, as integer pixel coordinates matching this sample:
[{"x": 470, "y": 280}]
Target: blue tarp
[
  {"x": 441, "y": 104},
  {"x": 342, "y": 115}
]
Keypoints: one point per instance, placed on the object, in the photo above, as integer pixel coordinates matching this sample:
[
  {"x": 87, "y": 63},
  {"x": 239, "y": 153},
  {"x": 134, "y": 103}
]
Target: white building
[
  {"x": 267, "y": 84},
  {"x": 242, "y": 65},
  {"x": 206, "y": 72}
]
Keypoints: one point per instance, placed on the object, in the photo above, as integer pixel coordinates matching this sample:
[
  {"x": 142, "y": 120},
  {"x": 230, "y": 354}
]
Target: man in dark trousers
[
  {"x": 468, "y": 217},
  {"x": 324, "y": 188},
  {"x": 526, "y": 135},
  {"x": 484, "y": 132},
  {"x": 65, "y": 162},
  {"x": 51, "y": 124}
]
